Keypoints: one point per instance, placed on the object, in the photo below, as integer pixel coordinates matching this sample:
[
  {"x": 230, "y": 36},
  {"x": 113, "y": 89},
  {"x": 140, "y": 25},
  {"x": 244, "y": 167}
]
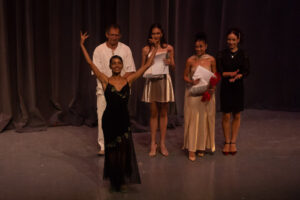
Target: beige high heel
[
  {"x": 164, "y": 151},
  {"x": 192, "y": 156},
  {"x": 200, "y": 154}
]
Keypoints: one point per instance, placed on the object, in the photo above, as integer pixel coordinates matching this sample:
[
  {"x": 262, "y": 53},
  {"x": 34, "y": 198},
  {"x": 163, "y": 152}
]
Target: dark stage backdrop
[{"x": 44, "y": 80}]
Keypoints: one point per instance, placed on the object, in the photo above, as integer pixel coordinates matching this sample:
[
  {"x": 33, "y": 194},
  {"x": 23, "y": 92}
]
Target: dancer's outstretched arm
[
  {"x": 102, "y": 77},
  {"x": 144, "y": 67}
]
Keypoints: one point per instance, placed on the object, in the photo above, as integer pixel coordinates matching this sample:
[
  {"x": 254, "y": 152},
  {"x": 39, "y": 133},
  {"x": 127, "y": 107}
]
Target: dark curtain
[{"x": 44, "y": 80}]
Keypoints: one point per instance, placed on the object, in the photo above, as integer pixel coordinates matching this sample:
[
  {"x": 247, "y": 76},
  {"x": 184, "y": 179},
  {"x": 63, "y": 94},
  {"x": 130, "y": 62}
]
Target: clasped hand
[
  {"x": 195, "y": 82},
  {"x": 235, "y": 76},
  {"x": 154, "y": 43},
  {"x": 238, "y": 76}
]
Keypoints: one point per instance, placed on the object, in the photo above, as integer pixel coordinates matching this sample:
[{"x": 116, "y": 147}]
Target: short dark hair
[
  {"x": 115, "y": 26},
  {"x": 237, "y": 32},
  {"x": 201, "y": 36},
  {"x": 115, "y": 56}
]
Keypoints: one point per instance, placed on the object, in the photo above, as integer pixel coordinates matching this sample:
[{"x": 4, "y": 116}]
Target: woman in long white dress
[{"x": 199, "y": 116}]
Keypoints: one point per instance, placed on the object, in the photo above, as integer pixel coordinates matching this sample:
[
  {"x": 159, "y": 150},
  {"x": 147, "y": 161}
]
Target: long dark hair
[{"x": 163, "y": 42}]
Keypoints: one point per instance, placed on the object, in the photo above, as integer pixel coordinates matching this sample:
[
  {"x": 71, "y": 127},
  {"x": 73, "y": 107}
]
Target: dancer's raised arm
[
  {"x": 145, "y": 66},
  {"x": 102, "y": 77}
]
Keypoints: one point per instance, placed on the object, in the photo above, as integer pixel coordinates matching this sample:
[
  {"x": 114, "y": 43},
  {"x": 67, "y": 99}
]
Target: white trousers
[{"x": 101, "y": 105}]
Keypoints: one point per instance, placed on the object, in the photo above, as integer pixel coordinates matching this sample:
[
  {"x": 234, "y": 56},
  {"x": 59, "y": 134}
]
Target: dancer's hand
[
  {"x": 151, "y": 41},
  {"x": 211, "y": 90},
  {"x": 154, "y": 43},
  {"x": 238, "y": 76},
  {"x": 195, "y": 82},
  {"x": 231, "y": 80},
  {"x": 83, "y": 37},
  {"x": 233, "y": 74},
  {"x": 167, "y": 60}
]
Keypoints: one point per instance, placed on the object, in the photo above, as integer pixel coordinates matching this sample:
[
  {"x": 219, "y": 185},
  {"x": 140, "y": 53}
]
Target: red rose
[
  {"x": 214, "y": 80},
  {"x": 205, "y": 96}
]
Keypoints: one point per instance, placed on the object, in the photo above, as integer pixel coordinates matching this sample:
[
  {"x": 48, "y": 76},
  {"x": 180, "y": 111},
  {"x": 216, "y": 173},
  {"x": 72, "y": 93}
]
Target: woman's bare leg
[
  {"x": 235, "y": 129},
  {"x": 226, "y": 131},
  {"x": 163, "y": 122},
  {"x": 153, "y": 127}
]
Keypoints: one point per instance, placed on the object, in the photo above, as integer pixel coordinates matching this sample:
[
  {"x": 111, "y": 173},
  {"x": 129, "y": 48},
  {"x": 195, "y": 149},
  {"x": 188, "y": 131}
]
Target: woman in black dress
[
  {"x": 233, "y": 65},
  {"x": 120, "y": 165}
]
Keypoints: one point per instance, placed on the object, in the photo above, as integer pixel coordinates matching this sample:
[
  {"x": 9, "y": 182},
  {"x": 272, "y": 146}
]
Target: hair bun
[{"x": 200, "y": 36}]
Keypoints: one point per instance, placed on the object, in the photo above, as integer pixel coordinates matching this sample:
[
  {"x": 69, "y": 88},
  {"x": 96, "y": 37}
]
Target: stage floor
[{"x": 61, "y": 164}]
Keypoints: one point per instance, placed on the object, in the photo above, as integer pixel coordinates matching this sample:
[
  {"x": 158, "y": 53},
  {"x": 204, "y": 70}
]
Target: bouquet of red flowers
[{"x": 212, "y": 83}]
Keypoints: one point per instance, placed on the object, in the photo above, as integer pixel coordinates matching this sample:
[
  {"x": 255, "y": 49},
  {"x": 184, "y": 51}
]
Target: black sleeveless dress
[{"x": 120, "y": 165}]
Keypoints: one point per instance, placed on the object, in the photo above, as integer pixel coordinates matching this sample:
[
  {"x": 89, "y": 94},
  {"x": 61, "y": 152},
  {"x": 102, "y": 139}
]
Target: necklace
[
  {"x": 202, "y": 56},
  {"x": 233, "y": 54}
]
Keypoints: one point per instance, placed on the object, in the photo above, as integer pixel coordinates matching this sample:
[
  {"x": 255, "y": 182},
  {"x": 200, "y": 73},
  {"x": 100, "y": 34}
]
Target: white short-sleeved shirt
[{"x": 102, "y": 55}]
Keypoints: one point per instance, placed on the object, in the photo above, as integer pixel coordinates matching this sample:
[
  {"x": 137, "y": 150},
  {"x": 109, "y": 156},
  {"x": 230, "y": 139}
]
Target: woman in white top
[{"x": 158, "y": 91}]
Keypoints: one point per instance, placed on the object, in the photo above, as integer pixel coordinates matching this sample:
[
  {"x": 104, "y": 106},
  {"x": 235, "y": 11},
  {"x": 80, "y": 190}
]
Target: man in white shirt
[{"x": 101, "y": 57}]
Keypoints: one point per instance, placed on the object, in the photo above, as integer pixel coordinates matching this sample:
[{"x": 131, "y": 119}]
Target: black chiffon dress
[
  {"x": 120, "y": 165},
  {"x": 232, "y": 94}
]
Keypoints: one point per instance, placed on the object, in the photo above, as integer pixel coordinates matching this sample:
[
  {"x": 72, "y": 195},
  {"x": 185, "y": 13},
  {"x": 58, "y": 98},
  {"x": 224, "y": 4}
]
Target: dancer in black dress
[
  {"x": 120, "y": 165},
  {"x": 233, "y": 65}
]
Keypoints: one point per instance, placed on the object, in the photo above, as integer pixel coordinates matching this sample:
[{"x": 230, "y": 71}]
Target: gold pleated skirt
[
  {"x": 199, "y": 123},
  {"x": 158, "y": 90}
]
